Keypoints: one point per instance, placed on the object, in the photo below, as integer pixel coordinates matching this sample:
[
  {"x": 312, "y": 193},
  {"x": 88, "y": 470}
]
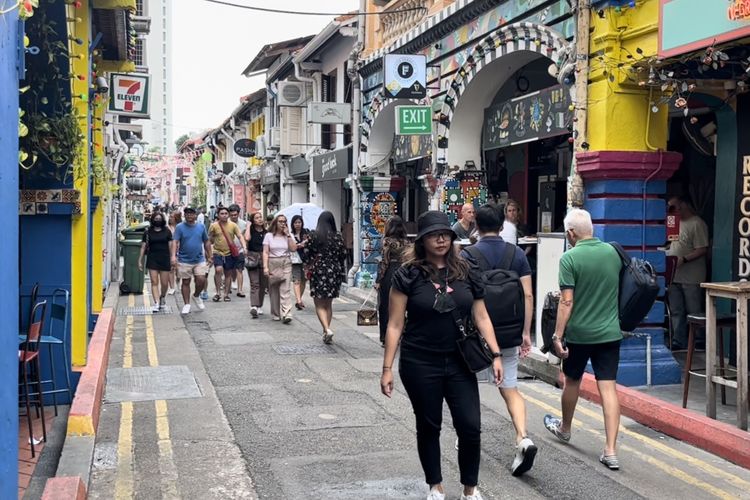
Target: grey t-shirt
[
  {"x": 693, "y": 234},
  {"x": 463, "y": 234}
]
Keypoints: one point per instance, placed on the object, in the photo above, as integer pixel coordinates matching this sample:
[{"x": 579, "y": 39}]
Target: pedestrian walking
[
  {"x": 588, "y": 327},
  {"x": 326, "y": 256},
  {"x": 505, "y": 293},
  {"x": 175, "y": 217},
  {"x": 222, "y": 235},
  {"x": 254, "y": 235},
  {"x": 241, "y": 244},
  {"x": 155, "y": 248},
  {"x": 435, "y": 289},
  {"x": 191, "y": 255},
  {"x": 685, "y": 294},
  {"x": 278, "y": 244},
  {"x": 394, "y": 246},
  {"x": 299, "y": 277}
]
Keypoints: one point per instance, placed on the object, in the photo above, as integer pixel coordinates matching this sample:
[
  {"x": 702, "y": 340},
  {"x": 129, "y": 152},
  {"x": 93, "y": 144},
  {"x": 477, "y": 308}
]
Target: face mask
[{"x": 159, "y": 223}]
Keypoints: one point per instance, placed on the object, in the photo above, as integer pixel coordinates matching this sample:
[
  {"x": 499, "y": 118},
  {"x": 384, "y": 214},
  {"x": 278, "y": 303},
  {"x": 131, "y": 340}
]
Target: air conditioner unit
[
  {"x": 292, "y": 94},
  {"x": 274, "y": 138}
]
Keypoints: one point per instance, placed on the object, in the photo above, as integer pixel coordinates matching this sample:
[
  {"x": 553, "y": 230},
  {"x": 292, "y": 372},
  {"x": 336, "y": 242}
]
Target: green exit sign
[{"x": 413, "y": 120}]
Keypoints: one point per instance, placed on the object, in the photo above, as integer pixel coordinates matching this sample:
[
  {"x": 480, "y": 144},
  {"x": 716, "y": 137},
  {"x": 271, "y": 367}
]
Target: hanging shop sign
[
  {"x": 335, "y": 165},
  {"x": 129, "y": 94},
  {"x": 269, "y": 174},
  {"x": 244, "y": 148},
  {"x": 690, "y": 25},
  {"x": 405, "y": 76},
  {"x": 541, "y": 114},
  {"x": 330, "y": 113},
  {"x": 298, "y": 167},
  {"x": 413, "y": 120},
  {"x": 411, "y": 147}
]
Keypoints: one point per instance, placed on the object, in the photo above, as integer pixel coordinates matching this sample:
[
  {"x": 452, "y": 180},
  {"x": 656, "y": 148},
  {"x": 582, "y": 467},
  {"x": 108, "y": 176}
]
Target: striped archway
[
  {"x": 514, "y": 38},
  {"x": 379, "y": 104}
]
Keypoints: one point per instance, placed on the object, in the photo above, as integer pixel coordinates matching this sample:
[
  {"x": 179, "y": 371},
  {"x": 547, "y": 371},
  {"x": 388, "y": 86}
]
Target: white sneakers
[
  {"x": 199, "y": 302},
  {"x": 170, "y": 291},
  {"x": 328, "y": 337},
  {"x": 524, "y": 460},
  {"x": 185, "y": 309},
  {"x": 435, "y": 495},
  {"x": 475, "y": 496}
]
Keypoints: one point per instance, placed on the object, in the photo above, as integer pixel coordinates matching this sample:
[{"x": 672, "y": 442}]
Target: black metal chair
[{"x": 30, "y": 368}]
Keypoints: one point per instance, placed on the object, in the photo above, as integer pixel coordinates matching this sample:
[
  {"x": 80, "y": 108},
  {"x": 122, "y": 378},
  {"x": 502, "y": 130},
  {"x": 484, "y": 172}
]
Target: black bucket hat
[{"x": 432, "y": 221}]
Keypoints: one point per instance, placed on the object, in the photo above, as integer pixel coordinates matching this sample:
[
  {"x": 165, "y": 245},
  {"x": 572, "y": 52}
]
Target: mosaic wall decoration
[
  {"x": 38, "y": 201},
  {"x": 467, "y": 187},
  {"x": 376, "y": 209}
]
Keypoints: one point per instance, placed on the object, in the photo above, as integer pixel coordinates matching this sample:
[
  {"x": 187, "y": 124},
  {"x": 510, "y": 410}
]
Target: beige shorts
[{"x": 187, "y": 271}]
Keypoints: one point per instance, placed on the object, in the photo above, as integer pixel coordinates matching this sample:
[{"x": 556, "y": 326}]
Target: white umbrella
[{"x": 309, "y": 212}]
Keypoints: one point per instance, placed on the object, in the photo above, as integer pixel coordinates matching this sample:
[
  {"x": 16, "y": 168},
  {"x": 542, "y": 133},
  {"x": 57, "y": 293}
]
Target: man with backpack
[
  {"x": 510, "y": 303},
  {"x": 588, "y": 327}
]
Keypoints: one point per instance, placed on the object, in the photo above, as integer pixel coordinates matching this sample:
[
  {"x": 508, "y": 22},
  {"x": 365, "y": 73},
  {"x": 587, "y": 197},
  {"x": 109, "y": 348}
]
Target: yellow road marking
[
  {"x": 167, "y": 467},
  {"x": 672, "y": 471},
  {"x": 124, "y": 482},
  {"x": 694, "y": 462}
]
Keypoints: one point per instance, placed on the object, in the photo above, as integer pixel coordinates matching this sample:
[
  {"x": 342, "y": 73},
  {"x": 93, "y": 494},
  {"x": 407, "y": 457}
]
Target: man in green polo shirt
[{"x": 588, "y": 323}]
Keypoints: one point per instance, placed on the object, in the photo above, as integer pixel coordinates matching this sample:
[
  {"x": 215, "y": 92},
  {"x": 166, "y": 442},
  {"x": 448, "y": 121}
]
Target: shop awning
[{"x": 335, "y": 165}]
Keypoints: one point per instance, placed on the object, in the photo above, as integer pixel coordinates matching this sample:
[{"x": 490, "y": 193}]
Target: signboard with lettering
[
  {"x": 244, "y": 148},
  {"x": 335, "y": 165},
  {"x": 129, "y": 94},
  {"x": 405, "y": 76},
  {"x": 541, "y": 114},
  {"x": 269, "y": 174},
  {"x": 411, "y": 147},
  {"x": 413, "y": 120},
  {"x": 690, "y": 25}
]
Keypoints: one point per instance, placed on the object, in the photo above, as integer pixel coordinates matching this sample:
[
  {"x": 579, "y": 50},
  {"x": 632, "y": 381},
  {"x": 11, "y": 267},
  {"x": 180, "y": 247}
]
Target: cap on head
[{"x": 189, "y": 210}]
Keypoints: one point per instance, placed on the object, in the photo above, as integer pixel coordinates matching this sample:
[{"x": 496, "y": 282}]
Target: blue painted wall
[{"x": 9, "y": 255}]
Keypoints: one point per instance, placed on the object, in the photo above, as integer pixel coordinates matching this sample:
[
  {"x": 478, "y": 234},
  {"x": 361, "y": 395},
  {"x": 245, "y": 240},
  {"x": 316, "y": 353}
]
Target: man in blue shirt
[
  {"x": 489, "y": 221},
  {"x": 191, "y": 255}
]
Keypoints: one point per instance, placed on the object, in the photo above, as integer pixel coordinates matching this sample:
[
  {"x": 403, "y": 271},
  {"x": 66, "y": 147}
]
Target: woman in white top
[{"x": 278, "y": 244}]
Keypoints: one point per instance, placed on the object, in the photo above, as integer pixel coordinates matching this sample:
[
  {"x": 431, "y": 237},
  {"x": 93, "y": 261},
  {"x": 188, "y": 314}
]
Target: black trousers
[{"x": 430, "y": 378}]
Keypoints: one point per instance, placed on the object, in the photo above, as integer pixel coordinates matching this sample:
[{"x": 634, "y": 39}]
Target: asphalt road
[{"x": 282, "y": 416}]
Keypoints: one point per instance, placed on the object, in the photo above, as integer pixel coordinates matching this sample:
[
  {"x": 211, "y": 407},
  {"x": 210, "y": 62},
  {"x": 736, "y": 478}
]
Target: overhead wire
[{"x": 307, "y": 13}]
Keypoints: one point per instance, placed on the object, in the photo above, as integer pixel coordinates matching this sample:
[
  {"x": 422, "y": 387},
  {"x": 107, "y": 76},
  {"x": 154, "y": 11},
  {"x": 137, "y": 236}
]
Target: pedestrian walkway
[{"x": 162, "y": 432}]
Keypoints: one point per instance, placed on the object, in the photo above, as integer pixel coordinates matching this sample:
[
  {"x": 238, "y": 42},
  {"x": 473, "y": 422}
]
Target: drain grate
[
  {"x": 142, "y": 311},
  {"x": 148, "y": 383},
  {"x": 303, "y": 349}
]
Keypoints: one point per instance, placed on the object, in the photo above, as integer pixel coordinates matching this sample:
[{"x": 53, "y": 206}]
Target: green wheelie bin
[{"x": 130, "y": 246}]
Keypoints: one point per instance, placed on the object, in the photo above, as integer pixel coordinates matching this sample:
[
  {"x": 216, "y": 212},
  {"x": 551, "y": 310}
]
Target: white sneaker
[
  {"x": 475, "y": 496},
  {"x": 234, "y": 286},
  {"x": 435, "y": 495},
  {"x": 199, "y": 302},
  {"x": 170, "y": 291},
  {"x": 524, "y": 460},
  {"x": 185, "y": 309},
  {"x": 155, "y": 308},
  {"x": 328, "y": 337},
  {"x": 260, "y": 312}
]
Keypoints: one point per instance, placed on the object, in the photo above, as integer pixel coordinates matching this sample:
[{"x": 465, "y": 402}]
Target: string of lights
[{"x": 308, "y": 13}]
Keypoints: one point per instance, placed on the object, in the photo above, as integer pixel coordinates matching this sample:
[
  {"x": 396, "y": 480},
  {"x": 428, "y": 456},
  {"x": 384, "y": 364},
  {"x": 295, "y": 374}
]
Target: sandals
[
  {"x": 240, "y": 295},
  {"x": 216, "y": 298},
  {"x": 610, "y": 461},
  {"x": 227, "y": 298}
]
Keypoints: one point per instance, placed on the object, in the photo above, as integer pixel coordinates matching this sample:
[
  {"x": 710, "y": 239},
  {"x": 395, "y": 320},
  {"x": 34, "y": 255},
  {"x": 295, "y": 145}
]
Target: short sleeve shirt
[
  {"x": 493, "y": 249},
  {"x": 693, "y": 234},
  {"x": 158, "y": 242},
  {"x": 427, "y": 329},
  {"x": 592, "y": 270},
  {"x": 191, "y": 239},
  {"x": 462, "y": 233},
  {"x": 216, "y": 235},
  {"x": 278, "y": 245}
]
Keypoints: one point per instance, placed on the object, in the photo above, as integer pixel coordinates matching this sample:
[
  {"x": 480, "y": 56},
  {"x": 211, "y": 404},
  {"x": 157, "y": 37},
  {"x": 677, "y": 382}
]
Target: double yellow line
[
  {"x": 687, "y": 477},
  {"x": 124, "y": 484}
]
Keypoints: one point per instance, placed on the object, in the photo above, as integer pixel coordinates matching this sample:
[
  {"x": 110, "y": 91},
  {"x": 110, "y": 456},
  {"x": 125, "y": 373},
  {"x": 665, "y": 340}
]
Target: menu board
[{"x": 541, "y": 114}]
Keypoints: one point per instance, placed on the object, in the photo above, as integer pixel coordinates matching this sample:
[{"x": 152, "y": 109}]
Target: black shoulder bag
[{"x": 472, "y": 346}]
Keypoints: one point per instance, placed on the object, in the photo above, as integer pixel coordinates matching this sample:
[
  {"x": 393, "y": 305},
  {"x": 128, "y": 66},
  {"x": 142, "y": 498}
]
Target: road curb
[
  {"x": 84, "y": 412},
  {"x": 719, "y": 438},
  {"x": 64, "y": 488}
]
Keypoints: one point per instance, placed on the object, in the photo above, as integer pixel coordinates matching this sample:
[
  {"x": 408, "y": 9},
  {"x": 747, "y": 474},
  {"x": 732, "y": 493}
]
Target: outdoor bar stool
[
  {"x": 59, "y": 311},
  {"x": 29, "y": 368},
  {"x": 696, "y": 321}
]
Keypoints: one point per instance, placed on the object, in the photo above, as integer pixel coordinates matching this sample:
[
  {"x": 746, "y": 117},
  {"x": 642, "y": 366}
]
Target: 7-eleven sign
[{"x": 129, "y": 94}]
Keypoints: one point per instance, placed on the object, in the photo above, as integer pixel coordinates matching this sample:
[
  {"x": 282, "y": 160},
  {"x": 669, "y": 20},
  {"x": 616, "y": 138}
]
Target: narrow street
[{"x": 275, "y": 414}]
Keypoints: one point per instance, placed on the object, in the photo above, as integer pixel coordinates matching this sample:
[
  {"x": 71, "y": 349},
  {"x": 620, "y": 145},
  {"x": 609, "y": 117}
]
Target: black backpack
[
  {"x": 638, "y": 289},
  {"x": 503, "y": 296}
]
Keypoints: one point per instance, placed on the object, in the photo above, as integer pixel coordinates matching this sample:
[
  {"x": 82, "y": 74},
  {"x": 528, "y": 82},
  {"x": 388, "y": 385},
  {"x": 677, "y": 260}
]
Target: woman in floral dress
[{"x": 326, "y": 254}]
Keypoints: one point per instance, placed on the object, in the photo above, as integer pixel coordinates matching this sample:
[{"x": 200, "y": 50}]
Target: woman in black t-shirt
[
  {"x": 155, "y": 247},
  {"x": 432, "y": 283},
  {"x": 254, "y": 234}
]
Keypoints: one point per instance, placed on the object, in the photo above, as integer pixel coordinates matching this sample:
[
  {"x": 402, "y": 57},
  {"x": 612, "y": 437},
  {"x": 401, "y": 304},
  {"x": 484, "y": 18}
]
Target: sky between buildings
[{"x": 213, "y": 44}]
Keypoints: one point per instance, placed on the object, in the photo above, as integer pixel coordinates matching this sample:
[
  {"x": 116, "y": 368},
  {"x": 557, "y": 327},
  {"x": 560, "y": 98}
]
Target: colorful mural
[
  {"x": 467, "y": 187},
  {"x": 376, "y": 209}
]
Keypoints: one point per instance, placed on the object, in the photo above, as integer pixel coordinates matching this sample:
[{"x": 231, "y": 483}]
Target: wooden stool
[{"x": 696, "y": 321}]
